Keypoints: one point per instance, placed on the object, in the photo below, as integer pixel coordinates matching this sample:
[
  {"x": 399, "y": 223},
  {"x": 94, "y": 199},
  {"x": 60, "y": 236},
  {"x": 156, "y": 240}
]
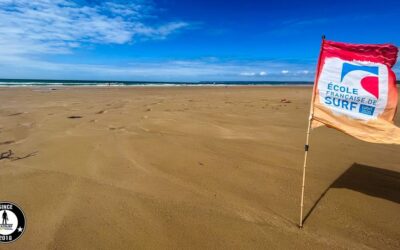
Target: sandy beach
[{"x": 190, "y": 168}]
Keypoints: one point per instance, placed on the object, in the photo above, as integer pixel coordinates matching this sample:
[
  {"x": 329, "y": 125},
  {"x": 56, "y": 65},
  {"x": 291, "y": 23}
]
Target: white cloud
[
  {"x": 261, "y": 73},
  {"x": 127, "y": 9},
  {"x": 285, "y": 71},
  {"x": 248, "y": 74},
  {"x": 58, "y": 26}
]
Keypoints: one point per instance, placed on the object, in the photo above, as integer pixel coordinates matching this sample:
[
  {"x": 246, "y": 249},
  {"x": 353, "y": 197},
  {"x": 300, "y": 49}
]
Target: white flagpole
[{"x": 306, "y": 146}]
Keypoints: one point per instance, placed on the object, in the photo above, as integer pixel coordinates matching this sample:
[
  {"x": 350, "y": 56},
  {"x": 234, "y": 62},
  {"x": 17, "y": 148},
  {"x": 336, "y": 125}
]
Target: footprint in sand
[
  {"x": 117, "y": 128},
  {"x": 6, "y": 142},
  {"x": 15, "y": 114}
]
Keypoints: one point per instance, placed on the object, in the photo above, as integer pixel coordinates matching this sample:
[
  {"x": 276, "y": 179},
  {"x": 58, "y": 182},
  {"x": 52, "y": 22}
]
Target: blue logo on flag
[
  {"x": 365, "y": 109},
  {"x": 369, "y": 83},
  {"x": 347, "y": 68}
]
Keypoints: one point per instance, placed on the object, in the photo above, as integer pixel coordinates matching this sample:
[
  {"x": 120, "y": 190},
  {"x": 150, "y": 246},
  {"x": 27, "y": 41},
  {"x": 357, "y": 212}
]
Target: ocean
[{"x": 40, "y": 82}]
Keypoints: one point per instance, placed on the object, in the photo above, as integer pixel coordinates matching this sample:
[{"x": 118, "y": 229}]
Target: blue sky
[{"x": 180, "y": 40}]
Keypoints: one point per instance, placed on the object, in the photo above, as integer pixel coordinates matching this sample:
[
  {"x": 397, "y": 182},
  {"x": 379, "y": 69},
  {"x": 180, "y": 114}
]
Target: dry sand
[{"x": 190, "y": 168}]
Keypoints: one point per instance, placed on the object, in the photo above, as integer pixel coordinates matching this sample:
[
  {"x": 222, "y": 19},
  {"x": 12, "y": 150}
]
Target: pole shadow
[{"x": 372, "y": 181}]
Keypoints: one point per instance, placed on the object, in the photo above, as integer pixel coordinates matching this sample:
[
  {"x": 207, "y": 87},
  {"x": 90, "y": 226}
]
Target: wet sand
[{"x": 190, "y": 168}]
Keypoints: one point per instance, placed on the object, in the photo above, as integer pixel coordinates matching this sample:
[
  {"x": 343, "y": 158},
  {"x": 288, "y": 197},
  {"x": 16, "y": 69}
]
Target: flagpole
[{"x": 307, "y": 145}]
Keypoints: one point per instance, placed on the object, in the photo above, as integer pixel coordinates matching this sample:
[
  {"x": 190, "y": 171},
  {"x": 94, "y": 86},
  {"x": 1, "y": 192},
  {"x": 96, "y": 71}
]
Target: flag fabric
[{"x": 355, "y": 91}]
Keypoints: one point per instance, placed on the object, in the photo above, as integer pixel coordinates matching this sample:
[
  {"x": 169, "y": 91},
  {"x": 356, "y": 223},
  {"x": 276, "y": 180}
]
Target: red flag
[{"x": 355, "y": 91}]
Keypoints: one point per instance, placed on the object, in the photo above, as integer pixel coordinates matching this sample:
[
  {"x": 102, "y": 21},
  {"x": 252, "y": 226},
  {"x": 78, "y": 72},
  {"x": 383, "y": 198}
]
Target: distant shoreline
[
  {"x": 57, "y": 83},
  {"x": 153, "y": 86},
  {"x": 87, "y": 83}
]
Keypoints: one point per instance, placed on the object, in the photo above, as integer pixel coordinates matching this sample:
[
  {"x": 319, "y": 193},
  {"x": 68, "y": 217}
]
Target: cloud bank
[
  {"x": 59, "y": 26},
  {"x": 204, "y": 69}
]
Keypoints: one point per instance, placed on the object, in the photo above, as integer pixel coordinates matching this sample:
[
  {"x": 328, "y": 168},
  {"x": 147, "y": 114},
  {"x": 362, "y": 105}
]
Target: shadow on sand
[{"x": 369, "y": 180}]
